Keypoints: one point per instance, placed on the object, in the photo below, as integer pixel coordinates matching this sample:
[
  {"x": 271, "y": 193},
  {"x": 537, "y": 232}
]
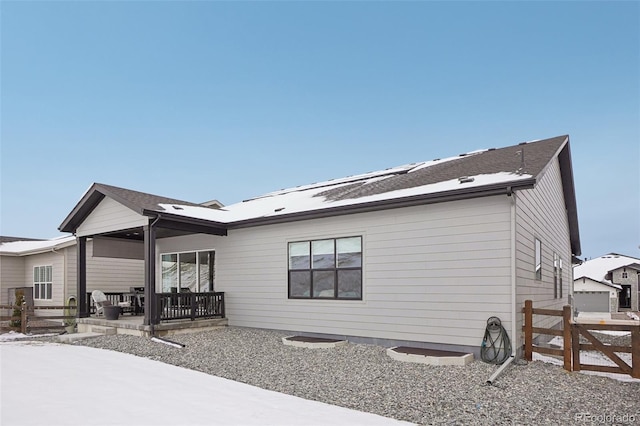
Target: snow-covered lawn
[{"x": 53, "y": 384}]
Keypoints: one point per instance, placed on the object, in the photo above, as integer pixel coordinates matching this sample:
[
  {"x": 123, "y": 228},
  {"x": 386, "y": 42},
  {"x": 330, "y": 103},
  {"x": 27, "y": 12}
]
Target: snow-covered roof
[
  {"x": 311, "y": 197},
  {"x": 577, "y": 282},
  {"x": 21, "y": 248},
  {"x": 474, "y": 174},
  {"x": 597, "y": 268}
]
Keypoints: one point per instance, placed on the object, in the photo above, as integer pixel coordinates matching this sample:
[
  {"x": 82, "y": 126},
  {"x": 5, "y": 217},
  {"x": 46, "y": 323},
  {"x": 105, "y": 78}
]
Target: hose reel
[{"x": 496, "y": 345}]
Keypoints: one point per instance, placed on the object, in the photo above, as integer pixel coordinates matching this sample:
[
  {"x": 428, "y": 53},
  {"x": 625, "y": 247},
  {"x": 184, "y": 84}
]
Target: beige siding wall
[
  {"x": 112, "y": 274},
  {"x": 11, "y": 276},
  {"x": 108, "y": 216},
  {"x": 103, "y": 273},
  {"x": 431, "y": 273},
  {"x": 541, "y": 213}
]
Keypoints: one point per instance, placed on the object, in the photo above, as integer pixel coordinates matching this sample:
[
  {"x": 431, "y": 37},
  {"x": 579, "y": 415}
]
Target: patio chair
[{"x": 100, "y": 301}]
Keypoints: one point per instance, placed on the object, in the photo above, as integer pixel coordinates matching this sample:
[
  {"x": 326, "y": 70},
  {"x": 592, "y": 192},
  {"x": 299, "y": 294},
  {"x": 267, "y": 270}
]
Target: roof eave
[
  {"x": 568, "y": 187},
  {"x": 205, "y": 226},
  {"x": 505, "y": 188},
  {"x": 82, "y": 209},
  {"x": 88, "y": 203},
  {"x": 39, "y": 250}
]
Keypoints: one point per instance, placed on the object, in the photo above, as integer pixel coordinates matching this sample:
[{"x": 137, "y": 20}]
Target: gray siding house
[
  {"x": 612, "y": 270},
  {"x": 48, "y": 268},
  {"x": 419, "y": 254}
]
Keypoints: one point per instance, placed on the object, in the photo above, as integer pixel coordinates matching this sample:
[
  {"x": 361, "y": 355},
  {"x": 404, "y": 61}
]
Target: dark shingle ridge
[
  {"x": 508, "y": 160},
  {"x": 140, "y": 200}
]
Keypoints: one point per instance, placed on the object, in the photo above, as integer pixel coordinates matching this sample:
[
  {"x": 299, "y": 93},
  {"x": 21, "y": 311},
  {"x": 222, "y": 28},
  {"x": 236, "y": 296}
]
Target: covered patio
[{"x": 127, "y": 224}]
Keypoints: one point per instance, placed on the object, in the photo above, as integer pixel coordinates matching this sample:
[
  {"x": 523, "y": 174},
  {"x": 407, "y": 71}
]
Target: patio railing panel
[{"x": 175, "y": 306}]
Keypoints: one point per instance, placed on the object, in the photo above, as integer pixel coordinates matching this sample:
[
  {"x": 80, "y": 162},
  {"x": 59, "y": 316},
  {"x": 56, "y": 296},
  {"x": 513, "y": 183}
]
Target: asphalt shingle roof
[{"x": 509, "y": 160}]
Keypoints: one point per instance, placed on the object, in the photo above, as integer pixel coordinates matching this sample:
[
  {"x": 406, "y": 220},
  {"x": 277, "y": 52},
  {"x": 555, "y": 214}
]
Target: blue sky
[{"x": 229, "y": 100}]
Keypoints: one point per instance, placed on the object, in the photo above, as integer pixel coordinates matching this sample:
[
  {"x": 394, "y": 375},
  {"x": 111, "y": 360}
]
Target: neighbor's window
[
  {"x": 326, "y": 269},
  {"x": 625, "y": 275},
  {"x": 538, "y": 259},
  {"x": 42, "y": 282},
  {"x": 192, "y": 271}
]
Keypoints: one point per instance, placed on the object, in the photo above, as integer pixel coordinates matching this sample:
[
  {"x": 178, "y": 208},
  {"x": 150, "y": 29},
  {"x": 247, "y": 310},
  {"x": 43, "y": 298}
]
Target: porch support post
[
  {"x": 150, "y": 309},
  {"x": 81, "y": 281}
]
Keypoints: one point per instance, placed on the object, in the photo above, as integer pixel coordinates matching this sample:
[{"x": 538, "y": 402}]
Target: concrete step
[
  {"x": 108, "y": 331},
  {"x": 74, "y": 337}
]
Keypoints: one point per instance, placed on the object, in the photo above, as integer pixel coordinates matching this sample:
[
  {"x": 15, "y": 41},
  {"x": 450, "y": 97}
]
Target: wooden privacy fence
[
  {"x": 24, "y": 319},
  {"x": 573, "y": 332}
]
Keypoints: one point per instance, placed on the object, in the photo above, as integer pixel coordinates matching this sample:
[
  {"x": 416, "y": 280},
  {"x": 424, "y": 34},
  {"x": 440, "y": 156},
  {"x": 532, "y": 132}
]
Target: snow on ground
[
  {"x": 592, "y": 358},
  {"x": 53, "y": 384}
]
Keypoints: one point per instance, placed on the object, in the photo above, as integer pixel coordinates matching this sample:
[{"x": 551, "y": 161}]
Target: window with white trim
[
  {"x": 326, "y": 269},
  {"x": 42, "y": 282},
  {"x": 538, "y": 260}
]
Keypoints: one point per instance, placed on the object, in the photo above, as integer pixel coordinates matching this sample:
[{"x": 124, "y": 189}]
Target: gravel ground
[{"x": 364, "y": 378}]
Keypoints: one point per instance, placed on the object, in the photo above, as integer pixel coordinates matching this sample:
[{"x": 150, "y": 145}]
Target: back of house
[{"x": 420, "y": 254}]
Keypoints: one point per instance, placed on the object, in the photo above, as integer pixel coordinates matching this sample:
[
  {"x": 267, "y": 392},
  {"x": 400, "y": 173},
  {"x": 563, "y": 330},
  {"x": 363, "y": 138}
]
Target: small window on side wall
[
  {"x": 560, "y": 275},
  {"x": 538, "y": 259}
]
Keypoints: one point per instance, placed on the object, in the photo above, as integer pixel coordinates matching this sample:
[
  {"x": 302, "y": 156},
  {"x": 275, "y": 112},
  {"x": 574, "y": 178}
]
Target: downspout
[
  {"x": 151, "y": 300},
  {"x": 514, "y": 340}
]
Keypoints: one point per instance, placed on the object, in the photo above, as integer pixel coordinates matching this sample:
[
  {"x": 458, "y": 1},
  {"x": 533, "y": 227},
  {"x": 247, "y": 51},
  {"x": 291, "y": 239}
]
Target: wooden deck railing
[
  {"x": 115, "y": 298},
  {"x": 174, "y": 306}
]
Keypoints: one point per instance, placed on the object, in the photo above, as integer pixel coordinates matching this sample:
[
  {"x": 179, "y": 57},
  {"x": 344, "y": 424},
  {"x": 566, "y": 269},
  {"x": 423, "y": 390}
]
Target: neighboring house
[
  {"x": 590, "y": 295},
  {"x": 596, "y": 280},
  {"x": 627, "y": 277},
  {"x": 421, "y": 254},
  {"x": 47, "y": 269}
]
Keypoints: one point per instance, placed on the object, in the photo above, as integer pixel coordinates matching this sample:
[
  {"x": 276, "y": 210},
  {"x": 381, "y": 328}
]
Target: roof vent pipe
[{"x": 521, "y": 154}]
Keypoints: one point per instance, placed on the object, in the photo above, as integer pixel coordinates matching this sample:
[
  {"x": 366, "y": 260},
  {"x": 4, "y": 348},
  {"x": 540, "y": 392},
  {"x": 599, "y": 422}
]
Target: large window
[
  {"x": 538, "y": 259},
  {"x": 42, "y": 282},
  {"x": 326, "y": 269},
  {"x": 189, "y": 271}
]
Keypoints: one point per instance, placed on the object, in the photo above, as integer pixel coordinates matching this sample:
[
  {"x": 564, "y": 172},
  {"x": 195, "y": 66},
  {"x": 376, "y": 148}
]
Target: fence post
[
  {"x": 575, "y": 346},
  {"x": 566, "y": 336},
  {"x": 23, "y": 318},
  {"x": 635, "y": 352},
  {"x": 528, "y": 330}
]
